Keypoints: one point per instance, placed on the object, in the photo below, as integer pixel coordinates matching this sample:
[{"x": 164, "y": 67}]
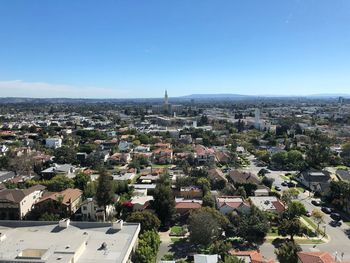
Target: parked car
[
  {"x": 335, "y": 223},
  {"x": 291, "y": 184},
  {"x": 277, "y": 188},
  {"x": 336, "y": 216},
  {"x": 326, "y": 210},
  {"x": 316, "y": 202},
  {"x": 284, "y": 183}
]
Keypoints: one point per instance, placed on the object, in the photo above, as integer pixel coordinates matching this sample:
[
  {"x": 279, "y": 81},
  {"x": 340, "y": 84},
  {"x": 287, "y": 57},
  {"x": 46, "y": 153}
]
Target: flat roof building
[{"x": 67, "y": 242}]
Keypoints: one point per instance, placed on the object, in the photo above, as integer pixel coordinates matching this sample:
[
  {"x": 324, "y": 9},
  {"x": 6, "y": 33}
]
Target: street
[{"x": 339, "y": 241}]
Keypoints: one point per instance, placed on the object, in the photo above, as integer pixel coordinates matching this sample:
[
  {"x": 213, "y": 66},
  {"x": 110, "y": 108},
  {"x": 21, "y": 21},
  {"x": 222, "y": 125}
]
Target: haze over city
[{"x": 121, "y": 49}]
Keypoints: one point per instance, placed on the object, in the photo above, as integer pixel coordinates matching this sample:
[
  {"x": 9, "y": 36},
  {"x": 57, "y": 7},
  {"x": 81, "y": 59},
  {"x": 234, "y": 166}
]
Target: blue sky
[{"x": 140, "y": 48}]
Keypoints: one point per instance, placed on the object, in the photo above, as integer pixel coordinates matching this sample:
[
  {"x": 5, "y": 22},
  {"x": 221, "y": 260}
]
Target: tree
[
  {"x": 81, "y": 180},
  {"x": 252, "y": 226},
  {"x": 295, "y": 210},
  {"x": 289, "y": 194},
  {"x": 143, "y": 253},
  {"x": 279, "y": 160},
  {"x": 208, "y": 200},
  {"x": 291, "y": 227},
  {"x": 318, "y": 216},
  {"x": 164, "y": 201},
  {"x": 221, "y": 248},
  {"x": 267, "y": 181},
  {"x": 295, "y": 160},
  {"x": 345, "y": 154},
  {"x": 65, "y": 155},
  {"x": 22, "y": 165},
  {"x": 318, "y": 151},
  {"x": 104, "y": 191},
  {"x": 60, "y": 183},
  {"x": 241, "y": 192},
  {"x": 287, "y": 252},
  {"x": 203, "y": 228},
  {"x": 147, "y": 220},
  {"x": 147, "y": 249}
]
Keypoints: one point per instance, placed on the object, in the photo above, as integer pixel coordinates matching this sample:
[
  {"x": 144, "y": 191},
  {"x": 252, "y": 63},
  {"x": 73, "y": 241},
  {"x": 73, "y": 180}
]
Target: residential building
[
  {"x": 251, "y": 256},
  {"x": 92, "y": 212},
  {"x": 229, "y": 204},
  {"x": 268, "y": 203},
  {"x": 59, "y": 169},
  {"x": 53, "y": 142},
  {"x": 318, "y": 257},
  {"x": 16, "y": 203},
  {"x": 69, "y": 199},
  {"x": 316, "y": 181},
  {"x": 67, "y": 241}
]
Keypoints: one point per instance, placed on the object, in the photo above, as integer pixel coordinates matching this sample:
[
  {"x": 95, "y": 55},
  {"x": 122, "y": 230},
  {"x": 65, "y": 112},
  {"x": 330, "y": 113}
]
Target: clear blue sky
[{"x": 140, "y": 48}]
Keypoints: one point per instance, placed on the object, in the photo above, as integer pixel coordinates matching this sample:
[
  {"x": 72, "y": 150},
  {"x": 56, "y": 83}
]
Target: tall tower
[
  {"x": 257, "y": 118},
  {"x": 166, "y": 101}
]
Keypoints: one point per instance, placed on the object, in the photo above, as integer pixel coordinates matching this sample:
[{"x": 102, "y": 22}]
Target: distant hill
[
  {"x": 197, "y": 97},
  {"x": 215, "y": 96}
]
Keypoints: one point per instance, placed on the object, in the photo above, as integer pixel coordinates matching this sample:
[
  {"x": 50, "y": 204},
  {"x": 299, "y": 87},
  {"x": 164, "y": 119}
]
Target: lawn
[
  {"x": 310, "y": 222},
  {"x": 177, "y": 231},
  {"x": 286, "y": 178},
  {"x": 347, "y": 222},
  {"x": 273, "y": 232}
]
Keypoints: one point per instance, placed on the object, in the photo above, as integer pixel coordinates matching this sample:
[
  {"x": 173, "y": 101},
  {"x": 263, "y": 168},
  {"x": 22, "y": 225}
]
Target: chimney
[
  {"x": 64, "y": 223},
  {"x": 117, "y": 225}
]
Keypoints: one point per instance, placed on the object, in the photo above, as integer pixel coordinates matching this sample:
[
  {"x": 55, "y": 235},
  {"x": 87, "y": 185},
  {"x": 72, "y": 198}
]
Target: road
[{"x": 339, "y": 237}]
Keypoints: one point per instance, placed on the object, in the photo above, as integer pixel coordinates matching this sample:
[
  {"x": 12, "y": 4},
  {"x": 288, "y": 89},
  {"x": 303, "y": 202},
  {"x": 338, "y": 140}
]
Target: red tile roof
[{"x": 316, "y": 257}]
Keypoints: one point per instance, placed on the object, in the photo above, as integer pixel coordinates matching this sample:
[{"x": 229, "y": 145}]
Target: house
[
  {"x": 59, "y": 169},
  {"x": 6, "y": 176},
  {"x": 69, "y": 199},
  {"x": 229, "y": 204},
  {"x": 53, "y": 142},
  {"x": 185, "y": 206},
  {"x": 128, "y": 176},
  {"x": 268, "y": 203},
  {"x": 163, "y": 155},
  {"x": 216, "y": 174},
  {"x": 124, "y": 146},
  {"x": 316, "y": 181},
  {"x": 190, "y": 192},
  {"x": 119, "y": 158},
  {"x": 239, "y": 177},
  {"x": 251, "y": 256},
  {"x": 141, "y": 203},
  {"x": 343, "y": 175},
  {"x": 317, "y": 257},
  {"x": 201, "y": 258},
  {"x": 16, "y": 203},
  {"x": 204, "y": 155},
  {"x": 92, "y": 212}
]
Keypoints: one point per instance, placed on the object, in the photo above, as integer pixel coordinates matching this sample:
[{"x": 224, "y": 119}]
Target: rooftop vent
[
  {"x": 117, "y": 225},
  {"x": 64, "y": 223},
  {"x": 2, "y": 237}
]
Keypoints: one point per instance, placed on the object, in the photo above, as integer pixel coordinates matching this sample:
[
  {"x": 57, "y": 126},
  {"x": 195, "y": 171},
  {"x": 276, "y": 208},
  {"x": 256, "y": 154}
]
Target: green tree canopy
[{"x": 147, "y": 220}]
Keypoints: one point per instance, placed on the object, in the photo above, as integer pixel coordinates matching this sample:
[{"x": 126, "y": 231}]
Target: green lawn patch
[
  {"x": 177, "y": 231},
  {"x": 175, "y": 239},
  {"x": 286, "y": 178},
  {"x": 310, "y": 222}
]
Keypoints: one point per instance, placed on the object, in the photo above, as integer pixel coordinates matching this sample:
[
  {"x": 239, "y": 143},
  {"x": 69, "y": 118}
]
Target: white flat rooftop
[{"x": 81, "y": 241}]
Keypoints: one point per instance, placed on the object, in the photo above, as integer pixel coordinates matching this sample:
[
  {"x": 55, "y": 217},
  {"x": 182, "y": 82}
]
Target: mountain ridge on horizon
[{"x": 205, "y": 96}]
